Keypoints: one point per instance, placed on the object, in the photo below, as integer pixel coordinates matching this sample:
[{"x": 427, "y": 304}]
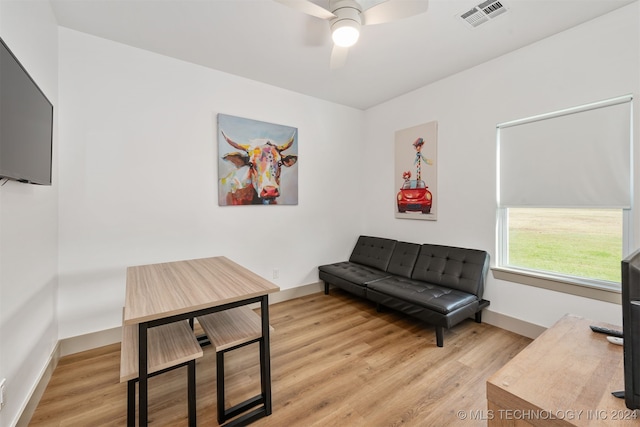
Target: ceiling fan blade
[
  {"x": 309, "y": 8},
  {"x": 393, "y": 10},
  {"x": 338, "y": 57},
  {"x": 316, "y": 32}
]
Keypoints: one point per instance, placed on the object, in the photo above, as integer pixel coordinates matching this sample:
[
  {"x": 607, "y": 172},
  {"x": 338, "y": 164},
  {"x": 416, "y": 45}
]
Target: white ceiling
[{"x": 266, "y": 41}]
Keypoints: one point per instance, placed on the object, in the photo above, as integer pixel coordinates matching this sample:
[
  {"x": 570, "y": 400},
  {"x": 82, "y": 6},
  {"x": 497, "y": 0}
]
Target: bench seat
[
  {"x": 228, "y": 330},
  {"x": 168, "y": 345}
]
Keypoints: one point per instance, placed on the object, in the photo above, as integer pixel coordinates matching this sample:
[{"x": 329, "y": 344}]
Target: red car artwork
[{"x": 414, "y": 196}]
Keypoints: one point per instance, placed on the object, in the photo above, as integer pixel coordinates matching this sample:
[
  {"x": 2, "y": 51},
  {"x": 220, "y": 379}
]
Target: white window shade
[{"x": 579, "y": 157}]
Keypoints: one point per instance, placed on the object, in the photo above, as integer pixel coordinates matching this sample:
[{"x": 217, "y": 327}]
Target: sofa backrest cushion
[
  {"x": 373, "y": 252},
  {"x": 403, "y": 259},
  {"x": 457, "y": 268}
]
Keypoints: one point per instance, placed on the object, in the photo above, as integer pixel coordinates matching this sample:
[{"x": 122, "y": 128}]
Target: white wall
[
  {"x": 591, "y": 62},
  {"x": 28, "y": 225},
  {"x": 138, "y": 181}
]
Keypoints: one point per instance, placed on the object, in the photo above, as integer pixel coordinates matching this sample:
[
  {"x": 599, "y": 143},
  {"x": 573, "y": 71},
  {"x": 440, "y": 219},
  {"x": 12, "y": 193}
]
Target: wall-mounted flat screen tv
[{"x": 26, "y": 124}]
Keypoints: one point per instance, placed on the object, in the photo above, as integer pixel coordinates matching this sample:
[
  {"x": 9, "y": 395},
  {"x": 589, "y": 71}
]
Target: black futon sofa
[{"x": 441, "y": 285}]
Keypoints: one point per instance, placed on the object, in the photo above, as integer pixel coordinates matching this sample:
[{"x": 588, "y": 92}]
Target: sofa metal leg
[
  {"x": 379, "y": 308},
  {"x": 440, "y": 336},
  {"x": 326, "y": 288},
  {"x": 483, "y": 304}
]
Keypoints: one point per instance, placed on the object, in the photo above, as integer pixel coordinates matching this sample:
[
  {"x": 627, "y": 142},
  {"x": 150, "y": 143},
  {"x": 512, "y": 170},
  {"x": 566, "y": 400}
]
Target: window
[
  {"x": 585, "y": 243},
  {"x": 564, "y": 193}
]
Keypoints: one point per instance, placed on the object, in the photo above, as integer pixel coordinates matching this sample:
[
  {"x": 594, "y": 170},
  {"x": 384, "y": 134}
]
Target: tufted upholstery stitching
[
  {"x": 356, "y": 273},
  {"x": 403, "y": 259},
  {"x": 437, "y": 298},
  {"x": 373, "y": 252},
  {"x": 458, "y": 268}
]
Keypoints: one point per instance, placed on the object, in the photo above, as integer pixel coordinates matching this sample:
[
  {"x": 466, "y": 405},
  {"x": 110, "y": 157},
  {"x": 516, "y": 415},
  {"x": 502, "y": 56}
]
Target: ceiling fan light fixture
[
  {"x": 345, "y": 32},
  {"x": 345, "y": 27}
]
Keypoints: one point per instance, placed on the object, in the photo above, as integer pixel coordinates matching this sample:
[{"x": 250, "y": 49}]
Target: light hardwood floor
[{"x": 335, "y": 362}]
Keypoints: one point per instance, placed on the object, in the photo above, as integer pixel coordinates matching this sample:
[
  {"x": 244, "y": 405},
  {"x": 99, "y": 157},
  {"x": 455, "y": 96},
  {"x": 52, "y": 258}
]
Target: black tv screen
[
  {"x": 26, "y": 124},
  {"x": 631, "y": 329}
]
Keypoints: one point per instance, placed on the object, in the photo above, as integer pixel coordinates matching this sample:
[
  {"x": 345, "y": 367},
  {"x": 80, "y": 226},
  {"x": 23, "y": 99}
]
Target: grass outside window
[{"x": 584, "y": 243}]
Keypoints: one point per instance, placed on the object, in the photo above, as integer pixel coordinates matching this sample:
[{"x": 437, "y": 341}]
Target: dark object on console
[
  {"x": 631, "y": 328},
  {"x": 441, "y": 285}
]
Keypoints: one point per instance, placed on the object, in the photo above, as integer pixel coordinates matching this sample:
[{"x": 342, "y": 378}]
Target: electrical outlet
[
  {"x": 276, "y": 273},
  {"x": 2, "y": 393}
]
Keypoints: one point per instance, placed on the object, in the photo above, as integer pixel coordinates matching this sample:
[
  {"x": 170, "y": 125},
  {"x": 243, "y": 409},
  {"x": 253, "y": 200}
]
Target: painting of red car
[{"x": 414, "y": 196}]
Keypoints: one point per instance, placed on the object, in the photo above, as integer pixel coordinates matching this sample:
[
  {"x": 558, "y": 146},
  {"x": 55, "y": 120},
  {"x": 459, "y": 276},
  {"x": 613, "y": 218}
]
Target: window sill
[{"x": 559, "y": 284}]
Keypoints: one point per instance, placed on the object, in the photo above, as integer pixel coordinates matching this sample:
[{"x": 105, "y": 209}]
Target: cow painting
[
  {"x": 256, "y": 167},
  {"x": 237, "y": 186}
]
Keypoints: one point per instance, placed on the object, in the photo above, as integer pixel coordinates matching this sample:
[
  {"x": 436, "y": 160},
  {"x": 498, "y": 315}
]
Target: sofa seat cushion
[
  {"x": 437, "y": 298},
  {"x": 353, "y": 272}
]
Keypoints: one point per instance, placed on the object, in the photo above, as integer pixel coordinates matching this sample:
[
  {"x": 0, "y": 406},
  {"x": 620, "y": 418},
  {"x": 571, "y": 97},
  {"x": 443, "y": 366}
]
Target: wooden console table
[
  {"x": 159, "y": 294},
  {"x": 563, "y": 378}
]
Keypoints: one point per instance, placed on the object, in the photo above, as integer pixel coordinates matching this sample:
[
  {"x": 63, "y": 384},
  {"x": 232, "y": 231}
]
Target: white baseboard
[
  {"x": 90, "y": 341},
  {"x": 520, "y": 327},
  {"x": 38, "y": 390},
  {"x": 300, "y": 291}
]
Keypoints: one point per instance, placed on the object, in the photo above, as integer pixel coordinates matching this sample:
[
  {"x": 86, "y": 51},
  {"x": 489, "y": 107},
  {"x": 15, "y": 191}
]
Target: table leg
[
  {"x": 220, "y": 386},
  {"x": 265, "y": 355},
  {"x": 142, "y": 374},
  {"x": 131, "y": 403},
  {"x": 191, "y": 385}
]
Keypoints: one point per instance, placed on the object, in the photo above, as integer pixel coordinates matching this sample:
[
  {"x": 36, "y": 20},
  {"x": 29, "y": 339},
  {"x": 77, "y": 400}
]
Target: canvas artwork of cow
[{"x": 257, "y": 162}]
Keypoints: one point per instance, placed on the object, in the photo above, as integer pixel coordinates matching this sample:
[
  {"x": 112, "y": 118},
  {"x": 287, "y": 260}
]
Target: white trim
[
  {"x": 567, "y": 111},
  {"x": 558, "y": 283},
  {"x": 512, "y": 324},
  {"x": 628, "y": 241},
  {"x": 90, "y": 341},
  {"x": 35, "y": 394}
]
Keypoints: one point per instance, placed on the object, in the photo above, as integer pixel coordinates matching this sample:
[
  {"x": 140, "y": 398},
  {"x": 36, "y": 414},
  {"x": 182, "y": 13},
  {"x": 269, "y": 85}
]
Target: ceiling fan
[{"x": 347, "y": 16}]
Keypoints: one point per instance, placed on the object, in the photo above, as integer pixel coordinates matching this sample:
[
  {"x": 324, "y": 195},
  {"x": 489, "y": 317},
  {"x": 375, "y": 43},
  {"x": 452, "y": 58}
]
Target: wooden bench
[
  {"x": 228, "y": 330},
  {"x": 170, "y": 346}
]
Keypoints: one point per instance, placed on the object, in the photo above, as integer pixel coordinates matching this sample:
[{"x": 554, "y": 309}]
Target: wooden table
[
  {"x": 163, "y": 293},
  {"x": 563, "y": 378}
]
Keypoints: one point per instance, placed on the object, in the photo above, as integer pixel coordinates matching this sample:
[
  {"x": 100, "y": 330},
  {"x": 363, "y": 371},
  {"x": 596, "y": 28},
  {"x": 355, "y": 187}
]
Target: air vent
[{"x": 483, "y": 13}]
